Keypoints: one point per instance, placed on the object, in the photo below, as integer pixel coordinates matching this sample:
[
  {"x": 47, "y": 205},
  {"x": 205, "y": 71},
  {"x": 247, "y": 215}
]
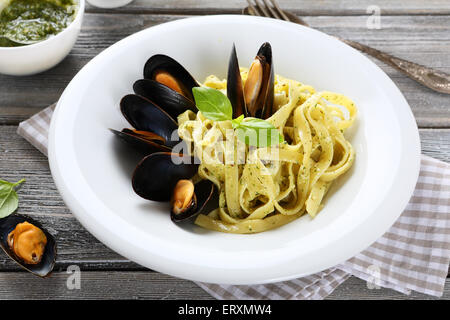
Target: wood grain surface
[
  {"x": 152, "y": 285},
  {"x": 416, "y": 30},
  {"x": 311, "y": 7}
]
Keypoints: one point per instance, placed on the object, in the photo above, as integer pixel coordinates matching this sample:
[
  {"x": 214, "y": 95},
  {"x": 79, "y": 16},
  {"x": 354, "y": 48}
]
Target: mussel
[
  {"x": 144, "y": 141},
  {"x": 259, "y": 87},
  {"x": 255, "y": 98},
  {"x": 165, "y": 176},
  {"x": 167, "y": 99},
  {"x": 170, "y": 73},
  {"x": 157, "y": 174},
  {"x": 144, "y": 115},
  {"x": 24, "y": 240},
  {"x": 183, "y": 197},
  {"x": 189, "y": 199},
  {"x": 155, "y": 130},
  {"x": 235, "y": 89}
]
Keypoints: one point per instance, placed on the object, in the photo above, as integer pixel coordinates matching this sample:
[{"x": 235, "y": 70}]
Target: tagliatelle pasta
[{"x": 264, "y": 188}]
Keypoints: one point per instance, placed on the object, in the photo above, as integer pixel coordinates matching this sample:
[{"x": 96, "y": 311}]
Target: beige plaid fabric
[
  {"x": 413, "y": 255},
  {"x": 35, "y": 129}
]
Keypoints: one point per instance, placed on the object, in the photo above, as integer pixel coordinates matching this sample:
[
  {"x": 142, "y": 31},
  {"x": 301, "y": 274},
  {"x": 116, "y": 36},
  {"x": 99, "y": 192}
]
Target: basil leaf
[
  {"x": 236, "y": 122},
  {"x": 258, "y": 133},
  {"x": 212, "y": 103},
  {"x": 9, "y": 201}
]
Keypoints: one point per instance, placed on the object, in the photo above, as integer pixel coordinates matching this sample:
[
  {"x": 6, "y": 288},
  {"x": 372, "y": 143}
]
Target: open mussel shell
[
  {"x": 146, "y": 144},
  {"x": 145, "y": 115},
  {"x": 43, "y": 268},
  {"x": 203, "y": 192},
  {"x": 169, "y": 72},
  {"x": 259, "y": 87},
  {"x": 167, "y": 99},
  {"x": 235, "y": 89},
  {"x": 157, "y": 174}
]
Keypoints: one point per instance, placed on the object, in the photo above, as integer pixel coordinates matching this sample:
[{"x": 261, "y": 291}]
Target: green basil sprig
[
  {"x": 256, "y": 132},
  {"x": 9, "y": 201},
  {"x": 215, "y": 106}
]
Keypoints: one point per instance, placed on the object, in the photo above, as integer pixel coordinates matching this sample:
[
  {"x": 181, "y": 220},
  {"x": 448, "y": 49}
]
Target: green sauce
[{"x": 28, "y": 21}]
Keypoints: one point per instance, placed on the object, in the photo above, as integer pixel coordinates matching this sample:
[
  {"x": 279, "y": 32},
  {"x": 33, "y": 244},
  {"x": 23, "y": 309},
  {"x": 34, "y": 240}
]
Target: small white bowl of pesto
[{"x": 35, "y": 35}]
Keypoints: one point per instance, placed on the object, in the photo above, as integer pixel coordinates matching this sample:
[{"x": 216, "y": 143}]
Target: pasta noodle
[{"x": 264, "y": 188}]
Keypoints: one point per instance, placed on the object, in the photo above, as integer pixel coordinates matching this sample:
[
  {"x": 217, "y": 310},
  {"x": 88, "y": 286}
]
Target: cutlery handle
[{"x": 433, "y": 79}]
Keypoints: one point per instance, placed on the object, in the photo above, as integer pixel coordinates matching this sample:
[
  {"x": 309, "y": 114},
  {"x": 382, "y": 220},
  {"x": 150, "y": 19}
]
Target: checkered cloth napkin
[{"x": 414, "y": 254}]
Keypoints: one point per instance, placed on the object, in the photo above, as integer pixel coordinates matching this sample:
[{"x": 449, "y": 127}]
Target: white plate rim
[{"x": 407, "y": 177}]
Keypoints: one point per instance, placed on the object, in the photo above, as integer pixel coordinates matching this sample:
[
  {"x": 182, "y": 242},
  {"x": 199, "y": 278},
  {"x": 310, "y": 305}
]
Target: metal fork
[{"x": 433, "y": 79}]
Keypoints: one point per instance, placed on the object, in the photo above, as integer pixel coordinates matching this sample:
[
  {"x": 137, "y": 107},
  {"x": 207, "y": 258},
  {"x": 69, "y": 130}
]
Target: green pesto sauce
[{"x": 34, "y": 20}]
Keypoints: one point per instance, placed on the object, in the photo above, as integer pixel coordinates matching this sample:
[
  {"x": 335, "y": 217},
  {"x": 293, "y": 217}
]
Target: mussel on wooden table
[{"x": 26, "y": 242}]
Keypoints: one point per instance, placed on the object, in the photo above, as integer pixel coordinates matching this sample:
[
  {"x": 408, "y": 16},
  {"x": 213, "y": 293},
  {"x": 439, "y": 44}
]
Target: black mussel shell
[
  {"x": 204, "y": 191},
  {"x": 162, "y": 63},
  {"x": 268, "y": 107},
  {"x": 145, "y": 146},
  {"x": 43, "y": 268},
  {"x": 157, "y": 174},
  {"x": 145, "y": 115},
  {"x": 261, "y": 105},
  {"x": 235, "y": 89},
  {"x": 169, "y": 100}
]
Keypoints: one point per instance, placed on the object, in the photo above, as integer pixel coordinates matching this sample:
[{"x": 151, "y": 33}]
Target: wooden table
[{"x": 418, "y": 30}]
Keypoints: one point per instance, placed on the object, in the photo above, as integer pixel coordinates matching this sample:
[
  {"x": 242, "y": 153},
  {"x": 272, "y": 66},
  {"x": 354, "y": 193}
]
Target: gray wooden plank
[
  {"x": 150, "y": 285},
  {"x": 98, "y": 285},
  {"x": 39, "y": 198},
  {"x": 436, "y": 143},
  {"x": 310, "y": 7},
  {"x": 356, "y": 289},
  {"x": 429, "y": 44}
]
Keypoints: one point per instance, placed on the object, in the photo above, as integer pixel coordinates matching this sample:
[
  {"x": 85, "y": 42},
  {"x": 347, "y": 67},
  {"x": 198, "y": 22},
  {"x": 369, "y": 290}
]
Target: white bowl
[
  {"x": 92, "y": 168},
  {"x": 41, "y": 56},
  {"x": 109, "y": 3}
]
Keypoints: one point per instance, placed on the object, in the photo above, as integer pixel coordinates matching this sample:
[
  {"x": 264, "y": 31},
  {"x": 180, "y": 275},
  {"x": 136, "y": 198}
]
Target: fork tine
[
  {"x": 263, "y": 9},
  {"x": 252, "y": 10},
  {"x": 274, "y": 14},
  {"x": 281, "y": 12}
]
